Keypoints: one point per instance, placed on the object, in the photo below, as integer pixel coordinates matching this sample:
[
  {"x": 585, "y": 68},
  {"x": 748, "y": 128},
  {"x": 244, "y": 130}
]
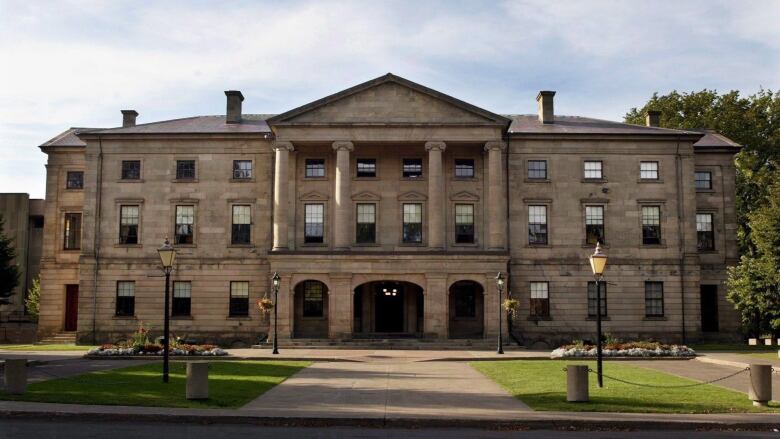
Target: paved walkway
[{"x": 388, "y": 389}]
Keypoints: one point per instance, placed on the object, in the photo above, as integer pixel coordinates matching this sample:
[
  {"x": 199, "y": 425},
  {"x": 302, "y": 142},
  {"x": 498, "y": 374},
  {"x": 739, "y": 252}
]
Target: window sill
[
  {"x": 540, "y": 319},
  {"x": 184, "y": 180},
  {"x": 238, "y": 317},
  {"x": 593, "y": 319},
  {"x": 655, "y": 319},
  {"x": 315, "y": 178},
  {"x": 128, "y": 180},
  {"x": 366, "y": 244},
  {"x": 185, "y": 245},
  {"x": 314, "y": 244},
  {"x": 649, "y": 180},
  {"x": 705, "y": 191},
  {"x": 74, "y": 189},
  {"x": 537, "y": 180},
  {"x": 242, "y": 180},
  {"x": 133, "y": 317},
  {"x": 538, "y": 246},
  {"x": 413, "y": 179},
  {"x": 71, "y": 250},
  {"x": 465, "y": 244},
  {"x": 240, "y": 246},
  {"x": 653, "y": 246},
  {"x": 469, "y": 179},
  {"x": 411, "y": 244},
  {"x": 588, "y": 245},
  {"x": 356, "y": 178},
  {"x": 594, "y": 180},
  {"x": 128, "y": 245},
  {"x": 182, "y": 318},
  {"x": 708, "y": 252}
]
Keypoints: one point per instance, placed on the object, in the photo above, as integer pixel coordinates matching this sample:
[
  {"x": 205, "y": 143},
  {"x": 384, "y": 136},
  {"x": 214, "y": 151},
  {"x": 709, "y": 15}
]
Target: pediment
[
  {"x": 464, "y": 196},
  {"x": 366, "y": 196},
  {"x": 314, "y": 196},
  {"x": 412, "y": 196},
  {"x": 388, "y": 100}
]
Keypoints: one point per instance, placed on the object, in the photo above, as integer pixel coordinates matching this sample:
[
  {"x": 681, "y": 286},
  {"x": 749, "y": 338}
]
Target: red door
[{"x": 71, "y": 307}]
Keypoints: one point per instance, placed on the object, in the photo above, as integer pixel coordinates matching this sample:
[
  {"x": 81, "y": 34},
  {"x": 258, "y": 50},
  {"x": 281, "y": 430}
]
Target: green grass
[
  {"x": 231, "y": 384},
  {"x": 765, "y": 355},
  {"x": 44, "y": 347},
  {"x": 542, "y": 385},
  {"x": 730, "y": 347}
]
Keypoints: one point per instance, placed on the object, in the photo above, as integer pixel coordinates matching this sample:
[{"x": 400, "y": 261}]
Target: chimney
[
  {"x": 234, "y": 99},
  {"x": 653, "y": 118},
  {"x": 128, "y": 118},
  {"x": 545, "y": 104}
]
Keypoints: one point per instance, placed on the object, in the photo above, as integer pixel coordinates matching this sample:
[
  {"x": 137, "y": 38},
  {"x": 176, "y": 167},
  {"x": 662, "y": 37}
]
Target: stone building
[{"x": 388, "y": 209}]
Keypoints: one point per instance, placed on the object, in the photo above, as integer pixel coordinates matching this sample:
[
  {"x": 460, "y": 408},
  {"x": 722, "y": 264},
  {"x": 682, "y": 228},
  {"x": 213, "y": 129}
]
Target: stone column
[
  {"x": 340, "y": 302},
  {"x": 281, "y": 193},
  {"x": 435, "y": 312},
  {"x": 343, "y": 206},
  {"x": 496, "y": 205},
  {"x": 436, "y": 214}
]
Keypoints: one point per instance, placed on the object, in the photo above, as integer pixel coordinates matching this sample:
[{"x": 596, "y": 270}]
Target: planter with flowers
[
  {"x": 139, "y": 345},
  {"x": 618, "y": 349}
]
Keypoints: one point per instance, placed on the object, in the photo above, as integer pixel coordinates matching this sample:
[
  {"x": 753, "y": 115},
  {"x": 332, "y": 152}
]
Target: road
[{"x": 34, "y": 429}]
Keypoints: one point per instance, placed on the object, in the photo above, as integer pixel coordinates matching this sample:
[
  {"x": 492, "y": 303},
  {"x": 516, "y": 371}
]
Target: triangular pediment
[
  {"x": 366, "y": 196},
  {"x": 314, "y": 196},
  {"x": 412, "y": 196},
  {"x": 464, "y": 196},
  {"x": 388, "y": 100}
]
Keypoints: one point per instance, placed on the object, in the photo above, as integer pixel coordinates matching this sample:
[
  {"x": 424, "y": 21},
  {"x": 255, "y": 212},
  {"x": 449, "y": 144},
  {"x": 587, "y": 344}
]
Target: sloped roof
[
  {"x": 250, "y": 123},
  {"x": 68, "y": 137},
  {"x": 713, "y": 139},
  {"x": 530, "y": 124}
]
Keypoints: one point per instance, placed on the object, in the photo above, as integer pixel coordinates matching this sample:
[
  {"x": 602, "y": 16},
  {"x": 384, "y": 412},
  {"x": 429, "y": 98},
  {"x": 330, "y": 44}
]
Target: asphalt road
[{"x": 34, "y": 429}]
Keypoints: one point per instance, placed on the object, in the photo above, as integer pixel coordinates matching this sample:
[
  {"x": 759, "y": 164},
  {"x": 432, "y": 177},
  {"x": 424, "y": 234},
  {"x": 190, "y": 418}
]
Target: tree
[
  {"x": 33, "y": 301},
  {"x": 9, "y": 272}
]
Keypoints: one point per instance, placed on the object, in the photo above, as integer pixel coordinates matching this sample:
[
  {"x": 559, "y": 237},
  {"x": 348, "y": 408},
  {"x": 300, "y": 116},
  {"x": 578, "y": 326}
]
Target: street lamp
[
  {"x": 500, "y": 286},
  {"x": 598, "y": 262},
  {"x": 275, "y": 282},
  {"x": 167, "y": 257}
]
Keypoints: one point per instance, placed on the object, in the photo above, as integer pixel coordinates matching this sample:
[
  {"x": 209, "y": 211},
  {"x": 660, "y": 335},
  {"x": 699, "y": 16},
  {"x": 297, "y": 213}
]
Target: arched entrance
[
  {"x": 385, "y": 309},
  {"x": 466, "y": 310},
  {"x": 311, "y": 310}
]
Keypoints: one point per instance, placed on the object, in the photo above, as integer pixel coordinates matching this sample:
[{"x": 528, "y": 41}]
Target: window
[
  {"x": 464, "y": 168},
  {"x": 648, "y": 170},
  {"x": 185, "y": 219},
  {"x": 72, "y": 232},
  {"x": 594, "y": 224},
  {"x": 128, "y": 224},
  {"x": 464, "y": 296},
  {"x": 537, "y": 225},
  {"x": 412, "y": 223},
  {"x": 185, "y": 169},
  {"x": 464, "y": 223},
  {"x": 654, "y": 299},
  {"x": 313, "y": 299},
  {"x": 593, "y": 170},
  {"x": 125, "y": 298},
  {"x": 366, "y": 167},
  {"x": 592, "y": 298},
  {"x": 239, "y": 299},
  {"x": 540, "y": 299},
  {"x": 131, "y": 170},
  {"x": 314, "y": 223},
  {"x": 704, "y": 232},
  {"x": 412, "y": 168},
  {"x": 74, "y": 180},
  {"x": 242, "y": 169},
  {"x": 537, "y": 169},
  {"x": 366, "y": 224},
  {"x": 182, "y": 298},
  {"x": 242, "y": 225},
  {"x": 651, "y": 225},
  {"x": 704, "y": 180},
  {"x": 315, "y": 168}
]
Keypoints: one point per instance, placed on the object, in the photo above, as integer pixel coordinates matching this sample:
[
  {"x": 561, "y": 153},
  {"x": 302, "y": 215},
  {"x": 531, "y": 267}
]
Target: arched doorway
[
  {"x": 386, "y": 309},
  {"x": 311, "y": 310},
  {"x": 466, "y": 310}
]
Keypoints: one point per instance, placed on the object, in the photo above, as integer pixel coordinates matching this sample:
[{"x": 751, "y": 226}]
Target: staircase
[
  {"x": 59, "y": 338},
  {"x": 390, "y": 344}
]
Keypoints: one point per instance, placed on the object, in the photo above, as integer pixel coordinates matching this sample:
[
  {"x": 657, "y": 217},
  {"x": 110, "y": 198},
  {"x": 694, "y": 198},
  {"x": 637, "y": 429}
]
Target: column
[
  {"x": 281, "y": 193},
  {"x": 436, "y": 311},
  {"x": 496, "y": 205},
  {"x": 436, "y": 214},
  {"x": 343, "y": 192},
  {"x": 340, "y": 302}
]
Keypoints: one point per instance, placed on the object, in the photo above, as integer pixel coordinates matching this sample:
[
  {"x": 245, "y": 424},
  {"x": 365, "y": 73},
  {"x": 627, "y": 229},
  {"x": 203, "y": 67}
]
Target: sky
[{"x": 78, "y": 63}]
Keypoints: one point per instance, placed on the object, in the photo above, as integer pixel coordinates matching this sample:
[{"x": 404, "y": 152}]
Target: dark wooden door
[
  {"x": 709, "y": 308},
  {"x": 390, "y": 311},
  {"x": 71, "y": 307}
]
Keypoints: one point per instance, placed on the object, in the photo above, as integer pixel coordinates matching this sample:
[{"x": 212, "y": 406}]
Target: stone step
[
  {"x": 395, "y": 344},
  {"x": 59, "y": 338}
]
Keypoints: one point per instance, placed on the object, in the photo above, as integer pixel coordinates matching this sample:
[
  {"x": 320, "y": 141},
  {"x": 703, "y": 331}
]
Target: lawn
[
  {"x": 542, "y": 385},
  {"x": 44, "y": 347},
  {"x": 765, "y": 355},
  {"x": 231, "y": 384}
]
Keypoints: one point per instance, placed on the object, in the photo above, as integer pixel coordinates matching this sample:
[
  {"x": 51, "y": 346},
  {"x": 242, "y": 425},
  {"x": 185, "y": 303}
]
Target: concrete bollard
[
  {"x": 760, "y": 390},
  {"x": 16, "y": 376},
  {"x": 197, "y": 380},
  {"x": 752, "y": 342},
  {"x": 577, "y": 383}
]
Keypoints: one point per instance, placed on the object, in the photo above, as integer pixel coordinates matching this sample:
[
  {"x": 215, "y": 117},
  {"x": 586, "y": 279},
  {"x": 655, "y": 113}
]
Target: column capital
[
  {"x": 343, "y": 145},
  {"x": 435, "y": 146},
  {"x": 495, "y": 144},
  {"x": 282, "y": 146}
]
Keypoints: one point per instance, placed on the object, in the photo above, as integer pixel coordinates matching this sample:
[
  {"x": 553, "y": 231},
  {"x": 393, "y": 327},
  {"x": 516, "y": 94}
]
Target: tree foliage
[
  {"x": 9, "y": 272},
  {"x": 33, "y": 301}
]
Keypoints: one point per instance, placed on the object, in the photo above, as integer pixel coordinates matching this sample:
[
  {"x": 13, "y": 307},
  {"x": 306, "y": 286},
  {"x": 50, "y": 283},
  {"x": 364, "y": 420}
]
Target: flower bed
[
  {"x": 635, "y": 349},
  {"x": 155, "y": 349}
]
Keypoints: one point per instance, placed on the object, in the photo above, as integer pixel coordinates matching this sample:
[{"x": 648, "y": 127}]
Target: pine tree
[{"x": 9, "y": 272}]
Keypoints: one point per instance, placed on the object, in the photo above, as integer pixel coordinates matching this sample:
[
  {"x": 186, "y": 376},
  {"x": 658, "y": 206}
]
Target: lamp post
[
  {"x": 500, "y": 286},
  {"x": 275, "y": 282},
  {"x": 598, "y": 262},
  {"x": 167, "y": 257}
]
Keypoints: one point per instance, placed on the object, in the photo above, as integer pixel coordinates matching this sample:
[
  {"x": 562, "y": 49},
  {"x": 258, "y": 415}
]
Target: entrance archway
[
  {"x": 386, "y": 309},
  {"x": 466, "y": 310},
  {"x": 311, "y": 310}
]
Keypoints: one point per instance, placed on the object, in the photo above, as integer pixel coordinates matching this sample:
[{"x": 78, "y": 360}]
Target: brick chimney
[
  {"x": 653, "y": 118},
  {"x": 128, "y": 118},
  {"x": 545, "y": 105},
  {"x": 234, "y": 99}
]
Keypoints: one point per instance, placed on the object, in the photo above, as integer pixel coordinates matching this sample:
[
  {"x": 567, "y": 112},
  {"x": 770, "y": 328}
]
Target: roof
[
  {"x": 530, "y": 124},
  {"x": 250, "y": 123},
  {"x": 713, "y": 139},
  {"x": 68, "y": 137}
]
